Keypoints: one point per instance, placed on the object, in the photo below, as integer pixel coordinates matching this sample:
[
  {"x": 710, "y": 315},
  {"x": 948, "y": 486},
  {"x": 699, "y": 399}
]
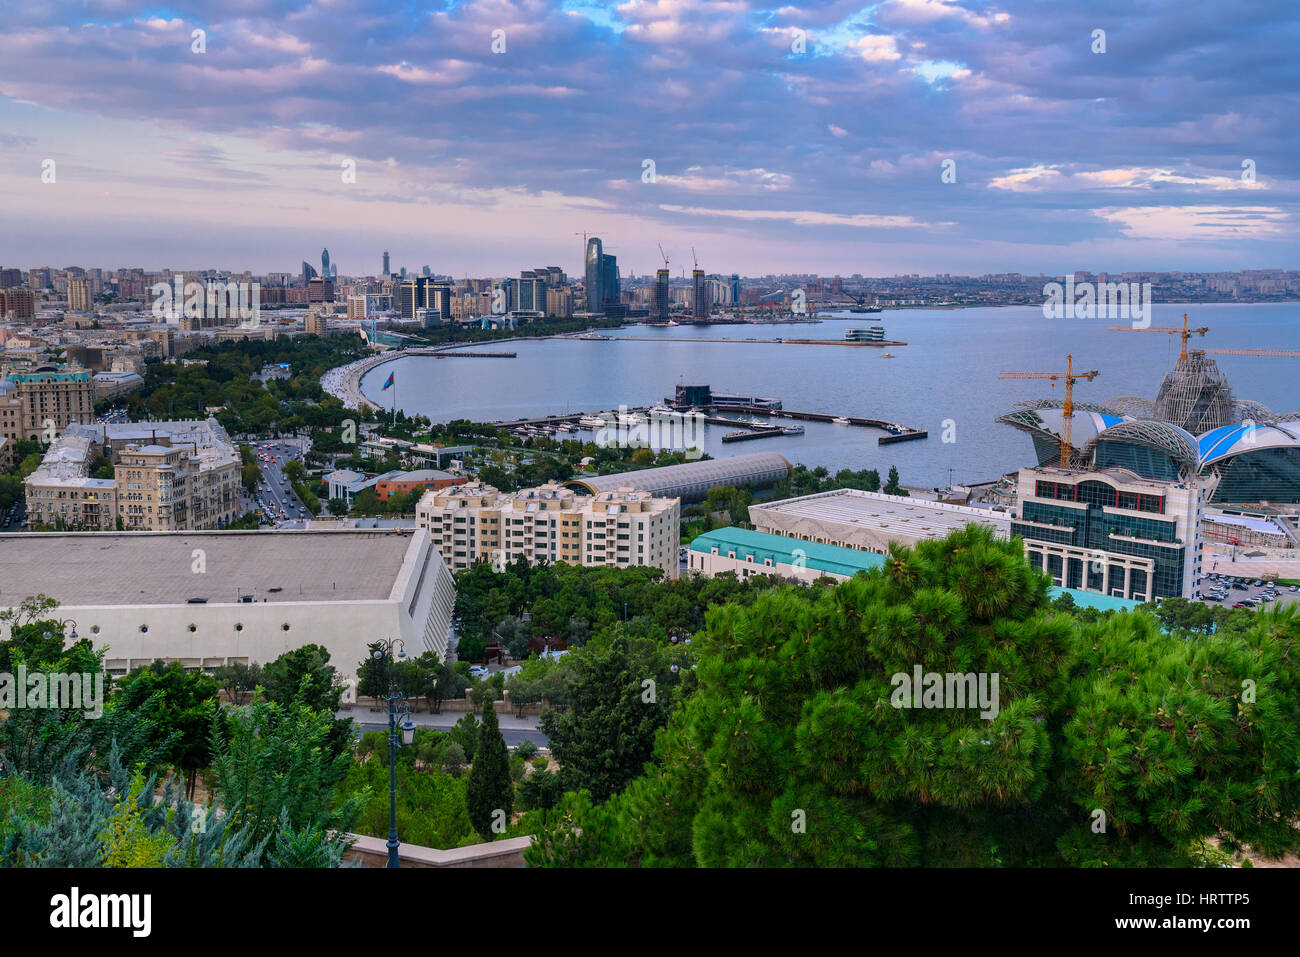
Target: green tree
[
  {"x": 801, "y": 746},
  {"x": 273, "y": 769},
  {"x": 183, "y": 718},
  {"x": 620, "y": 696},
  {"x": 490, "y": 792}
]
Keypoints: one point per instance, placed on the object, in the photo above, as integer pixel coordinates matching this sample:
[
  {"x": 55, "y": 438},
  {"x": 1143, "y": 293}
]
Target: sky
[{"x": 481, "y": 137}]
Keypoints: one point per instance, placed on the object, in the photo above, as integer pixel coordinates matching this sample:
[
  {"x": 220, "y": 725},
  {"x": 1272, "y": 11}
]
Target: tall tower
[
  {"x": 609, "y": 284},
  {"x": 387, "y": 273},
  {"x": 325, "y": 262},
  {"x": 659, "y": 299},
  {"x": 699, "y": 295},
  {"x": 595, "y": 255}
]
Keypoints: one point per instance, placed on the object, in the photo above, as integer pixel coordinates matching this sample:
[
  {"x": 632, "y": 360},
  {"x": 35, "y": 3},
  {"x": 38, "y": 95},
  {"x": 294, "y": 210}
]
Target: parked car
[{"x": 478, "y": 671}]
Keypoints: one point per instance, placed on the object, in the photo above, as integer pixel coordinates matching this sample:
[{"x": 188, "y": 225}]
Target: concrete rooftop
[{"x": 155, "y": 568}]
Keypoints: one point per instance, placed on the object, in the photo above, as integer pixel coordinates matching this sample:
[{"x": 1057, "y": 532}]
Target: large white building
[
  {"x": 622, "y": 528},
  {"x": 870, "y": 521},
  {"x": 207, "y": 599}
]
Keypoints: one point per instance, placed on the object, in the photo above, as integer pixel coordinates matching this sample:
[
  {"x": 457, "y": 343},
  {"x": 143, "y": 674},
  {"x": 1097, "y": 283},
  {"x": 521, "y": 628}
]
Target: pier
[{"x": 761, "y": 342}]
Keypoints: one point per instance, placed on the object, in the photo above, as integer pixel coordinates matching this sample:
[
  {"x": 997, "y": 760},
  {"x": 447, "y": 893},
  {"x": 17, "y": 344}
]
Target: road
[
  {"x": 274, "y": 493},
  {"x": 514, "y": 730}
]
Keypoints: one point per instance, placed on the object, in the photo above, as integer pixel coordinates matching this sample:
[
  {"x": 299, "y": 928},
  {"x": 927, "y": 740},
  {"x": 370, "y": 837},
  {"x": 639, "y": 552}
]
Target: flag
[{"x": 388, "y": 382}]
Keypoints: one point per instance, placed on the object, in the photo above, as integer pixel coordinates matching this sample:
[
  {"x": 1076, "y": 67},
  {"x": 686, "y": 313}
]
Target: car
[
  {"x": 478, "y": 671},
  {"x": 1292, "y": 588}
]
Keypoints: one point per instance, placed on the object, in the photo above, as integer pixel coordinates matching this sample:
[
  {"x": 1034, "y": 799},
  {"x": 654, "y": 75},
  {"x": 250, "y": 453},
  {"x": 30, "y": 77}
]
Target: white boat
[
  {"x": 592, "y": 422},
  {"x": 886, "y": 355},
  {"x": 662, "y": 412},
  {"x": 840, "y": 420},
  {"x": 792, "y": 429},
  {"x": 631, "y": 418},
  {"x": 673, "y": 322}
]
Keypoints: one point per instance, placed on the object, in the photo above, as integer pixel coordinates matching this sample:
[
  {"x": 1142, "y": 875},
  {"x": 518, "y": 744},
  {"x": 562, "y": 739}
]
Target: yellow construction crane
[
  {"x": 1279, "y": 353},
  {"x": 1171, "y": 330},
  {"x": 1067, "y": 412},
  {"x": 1187, "y": 333}
]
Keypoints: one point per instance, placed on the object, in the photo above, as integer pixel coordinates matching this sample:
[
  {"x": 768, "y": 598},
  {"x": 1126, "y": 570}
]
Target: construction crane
[
  {"x": 695, "y": 259},
  {"x": 1184, "y": 332},
  {"x": 1067, "y": 413},
  {"x": 1278, "y": 353},
  {"x": 664, "y": 255},
  {"x": 1187, "y": 333}
]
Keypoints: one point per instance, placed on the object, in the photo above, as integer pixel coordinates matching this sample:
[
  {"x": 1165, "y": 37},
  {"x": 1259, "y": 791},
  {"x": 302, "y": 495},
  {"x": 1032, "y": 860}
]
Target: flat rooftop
[
  {"x": 155, "y": 568},
  {"x": 911, "y": 516}
]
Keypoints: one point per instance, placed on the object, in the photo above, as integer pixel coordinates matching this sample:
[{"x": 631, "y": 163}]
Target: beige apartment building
[
  {"x": 80, "y": 294},
  {"x": 48, "y": 397},
  {"x": 168, "y": 476},
  {"x": 620, "y": 528}
]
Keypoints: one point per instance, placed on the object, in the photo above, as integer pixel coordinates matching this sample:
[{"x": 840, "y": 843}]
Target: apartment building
[
  {"x": 48, "y": 397},
  {"x": 61, "y": 492},
  {"x": 81, "y": 295},
  {"x": 167, "y": 476},
  {"x": 622, "y": 528},
  {"x": 1111, "y": 532}
]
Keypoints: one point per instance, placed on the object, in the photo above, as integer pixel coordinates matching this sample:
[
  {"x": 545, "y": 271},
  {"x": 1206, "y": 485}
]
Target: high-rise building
[
  {"x": 308, "y": 273},
  {"x": 320, "y": 289},
  {"x": 80, "y": 297},
  {"x": 659, "y": 301},
  {"x": 325, "y": 262},
  {"x": 314, "y": 324},
  {"x": 609, "y": 284},
  {"x": 9, "y": 278},
  {"x": 17, "y": 303},
  {"x": 735, "y": 289},
  {"x": 594, "y": 274},
  {"x": 386, "y": 270},
  {"x": 699, "y": 295}
]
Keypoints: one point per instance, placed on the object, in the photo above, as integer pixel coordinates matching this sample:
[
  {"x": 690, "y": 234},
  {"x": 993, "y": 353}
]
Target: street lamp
[
  {"x": 64, "y": 625},
  {"x": 397, "y": 707}
]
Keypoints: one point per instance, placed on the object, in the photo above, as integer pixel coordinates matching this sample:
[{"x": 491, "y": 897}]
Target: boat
[
  {"x": 594, "y": 337},
  {"x": 631, "y": 418},
  {"x": 840, "y": 420},
  {"x": 592, "y": 422},
  {"x": 792, "y": 429},
  {"x": 886, "y": 355},
  {"x": 757, "y": 423},
  {"x": 672, "y": 322},
  {"x": 662, "y": 412}
]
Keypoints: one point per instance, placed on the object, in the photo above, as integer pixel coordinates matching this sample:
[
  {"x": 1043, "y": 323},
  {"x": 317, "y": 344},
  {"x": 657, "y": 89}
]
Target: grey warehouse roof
[{"x": 156, "y": 568}]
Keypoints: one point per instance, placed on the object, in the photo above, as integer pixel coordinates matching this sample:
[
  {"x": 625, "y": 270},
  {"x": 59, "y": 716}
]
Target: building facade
[
  {"x": 167, "y": 476},
  {"x": 258, "y": 594},
  {"x": 46, "y": 400},
  {"x": 1111, "y": 532},
  {"x": 622, "y": 528}
]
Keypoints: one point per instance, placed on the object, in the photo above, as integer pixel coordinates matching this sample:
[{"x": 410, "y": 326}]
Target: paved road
[
  {"x": 275, "y": 489},
  {"x": 513, "y": 729}
]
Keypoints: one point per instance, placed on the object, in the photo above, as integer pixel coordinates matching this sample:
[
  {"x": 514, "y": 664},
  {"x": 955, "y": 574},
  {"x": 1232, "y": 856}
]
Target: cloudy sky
[{"x": 488, "y": 135}]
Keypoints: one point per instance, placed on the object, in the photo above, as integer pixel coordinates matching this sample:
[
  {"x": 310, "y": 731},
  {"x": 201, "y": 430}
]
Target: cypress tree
[{"x": 489, "y": 789}]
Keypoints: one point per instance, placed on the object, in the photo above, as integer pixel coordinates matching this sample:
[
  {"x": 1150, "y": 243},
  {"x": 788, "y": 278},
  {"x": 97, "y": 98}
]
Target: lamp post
[
  {"x": 64, "y": 626},
  {"x": 397, "y": 706}
]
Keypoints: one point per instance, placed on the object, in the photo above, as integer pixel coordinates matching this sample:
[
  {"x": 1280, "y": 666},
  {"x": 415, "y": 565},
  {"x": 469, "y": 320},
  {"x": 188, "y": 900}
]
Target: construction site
[{"x": 1244, "y": 455}]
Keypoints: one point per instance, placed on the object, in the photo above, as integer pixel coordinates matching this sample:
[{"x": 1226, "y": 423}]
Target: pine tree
[{"x": 489, "y": 796}]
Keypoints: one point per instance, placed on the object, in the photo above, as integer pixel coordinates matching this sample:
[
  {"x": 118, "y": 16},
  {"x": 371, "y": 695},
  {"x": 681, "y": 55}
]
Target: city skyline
[{"x": 773, "y": 151}]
